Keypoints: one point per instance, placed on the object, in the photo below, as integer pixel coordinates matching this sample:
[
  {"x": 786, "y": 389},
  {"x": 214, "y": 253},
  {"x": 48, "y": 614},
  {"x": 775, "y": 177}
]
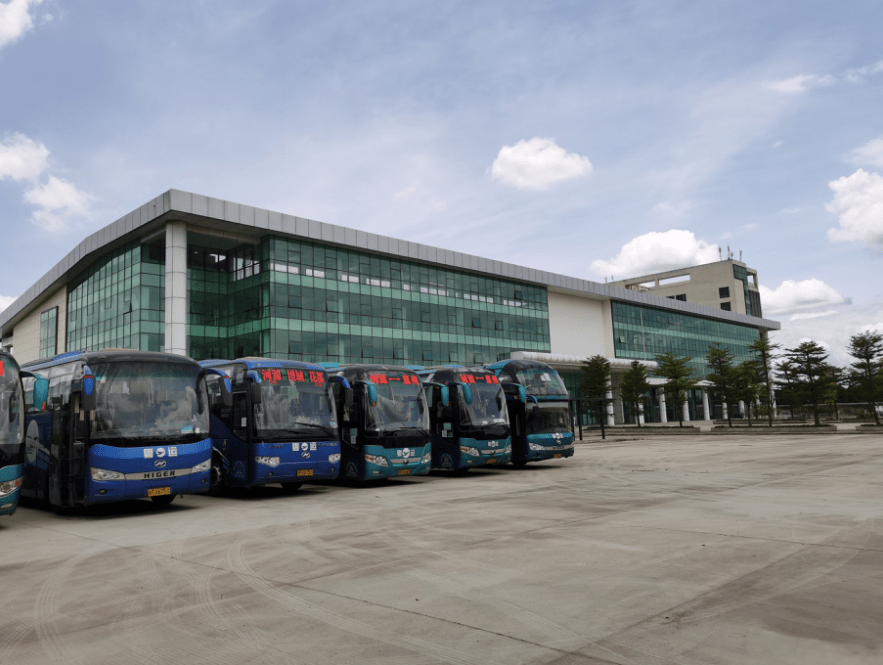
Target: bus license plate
[
  {"x": 557, "y": 456},
  {"x": 159, "y": 491},
  {"x": 305, "y": 472},
  {"x": 492, "y": 460},
  {"x": 404, "y": 472}
]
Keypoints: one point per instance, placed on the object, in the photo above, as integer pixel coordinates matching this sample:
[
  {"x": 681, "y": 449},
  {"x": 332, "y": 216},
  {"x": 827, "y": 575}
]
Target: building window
[
  {"x": 725, "y": 306},
  {"x": 49, "y": 332},
  {"x": 724, "y": 292}
]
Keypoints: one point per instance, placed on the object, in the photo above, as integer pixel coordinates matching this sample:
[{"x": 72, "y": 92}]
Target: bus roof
[
  {"x": 112, "y": 355},
  {"x": 253, "y": 362}
]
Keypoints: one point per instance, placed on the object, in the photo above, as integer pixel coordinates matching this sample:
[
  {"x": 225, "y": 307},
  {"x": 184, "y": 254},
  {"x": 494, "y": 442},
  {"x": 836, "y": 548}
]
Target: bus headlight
[
  {"x": 427, "y": 457},
  {"x": 202, "y": 466},
  {"x": 272, "y": 462},
  {"x": 508, "y": 450},
  {"x": 535, "y": 446},
  {"x": 379, "y": 460},
  {"x": 9, "y": 486},
  {"x": 470, "y": 451},
  {"x": 334, "y": 458},
  {"x": 104, "y": 474}
]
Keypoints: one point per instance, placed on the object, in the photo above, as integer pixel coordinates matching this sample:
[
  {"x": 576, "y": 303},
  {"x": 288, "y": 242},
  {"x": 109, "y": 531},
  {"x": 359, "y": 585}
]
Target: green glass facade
[
  {"x": 119, "y": 302},
  {"x": 641, "y": 333},
  {"x": 48, "y": 332},
  {"x": 299, "y": 300}
]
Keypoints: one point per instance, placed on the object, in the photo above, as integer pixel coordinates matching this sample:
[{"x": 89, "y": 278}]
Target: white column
[
  {"x": 685, "y": 409},
  {"x": 176, "y": 288},
  {"x": 707, "y": 416},
  {"x": 610, "y": 419},
  {"x": 641, "y": 412},
  {"x": 724, "y": 410},
  {"x": 663, "y": 417},
  {"x": 741, "y": 406}
]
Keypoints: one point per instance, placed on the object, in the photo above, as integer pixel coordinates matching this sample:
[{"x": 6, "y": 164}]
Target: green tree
[
  {"x": 747, "y": 385},
  {"x": 720, "y": 362},
  {"x": 867, "y": 349},
  {"x": 811, "y": 377},
  {"x": 594, "y": 384},
  {"x": 679, "y": 379},
  {"x": 632, "y": 388},
  {"x": 765, "y": 353}
]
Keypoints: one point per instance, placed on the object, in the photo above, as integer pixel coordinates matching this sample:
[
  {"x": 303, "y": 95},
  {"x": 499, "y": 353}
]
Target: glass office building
[{"x": 210, "y": 278}]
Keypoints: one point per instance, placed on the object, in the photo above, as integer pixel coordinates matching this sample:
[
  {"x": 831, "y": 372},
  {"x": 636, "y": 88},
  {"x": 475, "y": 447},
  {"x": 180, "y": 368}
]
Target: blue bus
[
  {"x": 384, "y": 421},
  {"x": 541, "y": 425},
  {"x": 280, "y": 428},
  {"x": 117, "y": 424},
  {"x": 12, "y": 430},
  {"x": 469, "y": 421}
]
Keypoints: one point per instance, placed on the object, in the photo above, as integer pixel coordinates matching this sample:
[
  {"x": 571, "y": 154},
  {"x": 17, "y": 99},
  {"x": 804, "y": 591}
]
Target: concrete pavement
[{"x": 694, "y": 549}]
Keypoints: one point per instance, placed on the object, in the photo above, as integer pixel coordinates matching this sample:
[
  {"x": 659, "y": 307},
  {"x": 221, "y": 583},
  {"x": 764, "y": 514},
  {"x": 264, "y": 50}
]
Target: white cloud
[
  {"x": 22, "y": 158},
  {"x": 856, "y": 75},
  {"x": 792, "y": 296},
  {"x": 812, "y": 315},
  {"x": 537, "y": 163},
  {"x": 832, "y": 332},
  {"x": 657, "y": 252},
  {"x": 59, "y": 201},
  {"x": 870, "y": 154},
  {"x": 858, "y": 202},
  {"x": 800, "y": 83},
  {"x": 5, "y": 301},
  {"x": 15, "y": 19}
]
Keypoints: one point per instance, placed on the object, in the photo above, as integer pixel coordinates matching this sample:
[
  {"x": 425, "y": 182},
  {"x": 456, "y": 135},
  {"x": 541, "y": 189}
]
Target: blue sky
[{"x": 594, "y": 139}]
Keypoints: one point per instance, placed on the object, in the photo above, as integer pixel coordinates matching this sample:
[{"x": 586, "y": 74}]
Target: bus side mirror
[
  {"x": 467, "y": 392},
  {"x": 87, "y": 396},
  {"x": 254, "y": 388},
  {"x": 445, "y": 396},
  {"x": 372, "y": 394},
  {"x": 41, "y": 392}
]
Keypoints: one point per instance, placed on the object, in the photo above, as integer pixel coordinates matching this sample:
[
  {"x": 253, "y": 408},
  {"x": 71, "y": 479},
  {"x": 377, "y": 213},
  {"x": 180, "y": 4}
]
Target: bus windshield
[
  {"x": 294, "y": 402},
  {"x": 548, "y": 418},
  {"x": 541, "y": 382},
  {"x": 401, "y": 403},
  {"x": 487, "y": 412},
  {"x": 11, "y": 401},
  {"x": 140, "y": 402}
]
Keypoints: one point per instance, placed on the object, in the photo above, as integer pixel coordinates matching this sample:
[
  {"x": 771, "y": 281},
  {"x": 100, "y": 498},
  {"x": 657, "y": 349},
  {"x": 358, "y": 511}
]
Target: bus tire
[
  {"x": 164, "y": 500},
  {"x": 216, "y": 476},
  {"x": 291, "y": 486}
]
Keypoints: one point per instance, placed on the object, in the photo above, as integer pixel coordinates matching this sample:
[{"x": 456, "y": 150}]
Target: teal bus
[
  {"x": 468, "y": 418},
  {"x": 281, "y": 425},
  {"x": 542, "y": 427},
  {"x": 117, "y": 424},
  {"x": 12, "y": 430},
  {"x": 384, "y": 421}
]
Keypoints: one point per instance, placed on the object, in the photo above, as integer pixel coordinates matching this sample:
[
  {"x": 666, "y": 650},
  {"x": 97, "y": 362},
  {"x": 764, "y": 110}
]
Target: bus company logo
[
  {"x": 160, "y": 452},
  {"x": 404, "y": 452},
  {"x": 148, "y": 453},
  {"x": 557, "y": 436},
  {"x": 305, "y": 454},
  {"x": 492, "y": 444},
  {"x": 159, "y": 464},
  {"x": 305, "y": 446}
]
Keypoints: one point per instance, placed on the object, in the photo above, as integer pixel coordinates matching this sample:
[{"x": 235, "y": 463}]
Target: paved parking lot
[{"x": 761, "y": 549}]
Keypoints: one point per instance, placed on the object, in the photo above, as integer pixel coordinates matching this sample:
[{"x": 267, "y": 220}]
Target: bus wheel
[
  {"x": 291, "y": 487},
  {"x": 216, "y": 475},
  {"x": 164, "y": 500}
]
